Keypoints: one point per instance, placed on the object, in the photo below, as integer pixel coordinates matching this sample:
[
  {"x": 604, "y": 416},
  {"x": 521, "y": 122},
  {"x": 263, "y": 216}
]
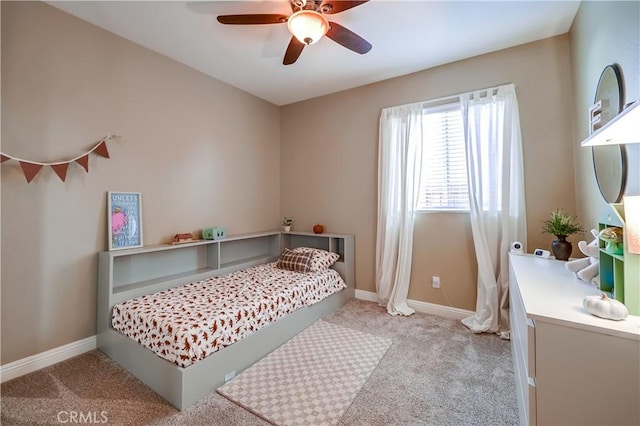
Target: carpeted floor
[{"x": 435, "y": 373}]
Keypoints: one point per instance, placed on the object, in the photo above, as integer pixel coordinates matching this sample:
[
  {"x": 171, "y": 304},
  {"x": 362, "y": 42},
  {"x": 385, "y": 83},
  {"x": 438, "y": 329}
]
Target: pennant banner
[
  {"x": 31, "y": 168},
  {"x": 101, "y": 149},
  {"x": 84, "y": 162},
  {"x": 61, "y": 170}
]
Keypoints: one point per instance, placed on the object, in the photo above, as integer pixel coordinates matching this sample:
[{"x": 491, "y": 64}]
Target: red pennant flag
[
  {"x": 61, "y": 170},
  {"x": 3, "y": 158},
  {"x": 84, "y": 162},
  {"x": 102, "y": 149},
  {"x": 30, "y": 170}
]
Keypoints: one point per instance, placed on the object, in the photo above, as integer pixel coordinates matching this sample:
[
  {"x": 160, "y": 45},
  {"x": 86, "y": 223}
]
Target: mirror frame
[{"x": 611, "y": 150}]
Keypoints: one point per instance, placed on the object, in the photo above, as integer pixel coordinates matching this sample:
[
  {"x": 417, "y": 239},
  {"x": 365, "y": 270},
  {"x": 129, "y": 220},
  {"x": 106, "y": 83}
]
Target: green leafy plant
[
  {"x": 561, "y": 224},
  {"x": 286, "y": 221}
]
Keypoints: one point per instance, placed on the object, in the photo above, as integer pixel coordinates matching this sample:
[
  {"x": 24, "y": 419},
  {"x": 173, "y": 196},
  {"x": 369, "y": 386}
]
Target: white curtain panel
[
  {"x": 399, "y": 163},
  {"x": 493, "y": 145}
]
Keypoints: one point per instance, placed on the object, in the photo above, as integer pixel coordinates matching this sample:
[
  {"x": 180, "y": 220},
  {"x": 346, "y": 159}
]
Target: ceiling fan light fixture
[{"x": 308, "y": 26}]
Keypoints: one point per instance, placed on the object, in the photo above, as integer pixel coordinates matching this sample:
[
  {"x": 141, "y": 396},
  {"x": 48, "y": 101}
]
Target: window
[{"x": 443, "y": 181}]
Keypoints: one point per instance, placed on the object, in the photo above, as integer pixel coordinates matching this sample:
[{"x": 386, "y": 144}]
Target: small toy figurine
[{"x": 182, "y": 238}]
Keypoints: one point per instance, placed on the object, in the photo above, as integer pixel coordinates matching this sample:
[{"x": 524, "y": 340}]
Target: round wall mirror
[{"x": 610, "y": 161}]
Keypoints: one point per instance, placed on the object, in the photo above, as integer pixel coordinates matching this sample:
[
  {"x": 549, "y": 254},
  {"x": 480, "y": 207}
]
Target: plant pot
[
  {"x": 286, "y": 228},
  {"x": 561, "y": 248}
]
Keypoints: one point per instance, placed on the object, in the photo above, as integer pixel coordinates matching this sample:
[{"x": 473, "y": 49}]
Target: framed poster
[{"x": 125, "y": 220}]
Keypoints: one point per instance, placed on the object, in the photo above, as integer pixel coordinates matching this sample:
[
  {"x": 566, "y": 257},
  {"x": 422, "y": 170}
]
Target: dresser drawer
[
  {"x": 531, "y": 348},
  {"x": 522, "y": 329}
]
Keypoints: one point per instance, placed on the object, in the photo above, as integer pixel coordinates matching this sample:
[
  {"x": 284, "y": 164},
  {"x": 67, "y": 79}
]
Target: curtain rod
[{"x": 450, "y": 97}]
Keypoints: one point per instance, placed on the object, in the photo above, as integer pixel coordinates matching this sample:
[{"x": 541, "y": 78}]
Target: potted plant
[
  {"x": 286, "y": 224},
  {"x": 562, "y": 225}
]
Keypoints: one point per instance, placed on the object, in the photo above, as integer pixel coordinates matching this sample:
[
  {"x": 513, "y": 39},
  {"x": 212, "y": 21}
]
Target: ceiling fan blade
[
  {"x": 328, "y": 7},
  {"x": 293, "y": 51},
  {"x": 348, "y": 38},
  {"x": 253, "y": 19}
]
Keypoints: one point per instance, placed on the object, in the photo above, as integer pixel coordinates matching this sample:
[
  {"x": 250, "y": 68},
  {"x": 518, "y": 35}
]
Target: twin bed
[{"x": 185, "y": 319}]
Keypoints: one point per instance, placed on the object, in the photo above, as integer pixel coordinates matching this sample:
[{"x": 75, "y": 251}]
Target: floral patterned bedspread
[{"x": 187, "y": 323}]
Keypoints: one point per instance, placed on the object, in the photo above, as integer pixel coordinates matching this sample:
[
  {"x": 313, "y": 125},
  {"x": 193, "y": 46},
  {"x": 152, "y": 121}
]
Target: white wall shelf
[{"x": 624, "y": 128}]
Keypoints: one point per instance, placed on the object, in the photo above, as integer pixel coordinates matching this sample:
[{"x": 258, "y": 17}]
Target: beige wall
[
  {"x": 603, "y": 33},
  {"x": 329, "y": 161},
  {"x": 201, "y": 152}
]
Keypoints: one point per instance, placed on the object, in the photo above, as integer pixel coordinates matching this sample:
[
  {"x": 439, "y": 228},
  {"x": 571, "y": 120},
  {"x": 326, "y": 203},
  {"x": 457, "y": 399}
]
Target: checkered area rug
[{"x": 310, "y": 380}]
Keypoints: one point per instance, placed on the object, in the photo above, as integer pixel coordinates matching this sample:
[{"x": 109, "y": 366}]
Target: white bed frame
[{"x": 126, "y": 274}]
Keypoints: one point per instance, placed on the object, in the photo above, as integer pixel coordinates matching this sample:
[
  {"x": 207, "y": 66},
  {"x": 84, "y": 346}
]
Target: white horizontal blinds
[{"x": 443, "y": 183}]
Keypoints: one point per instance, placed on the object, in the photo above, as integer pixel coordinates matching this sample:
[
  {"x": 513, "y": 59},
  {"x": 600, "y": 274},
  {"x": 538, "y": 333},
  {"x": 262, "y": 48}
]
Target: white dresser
[{"x": 571, "y": 368}]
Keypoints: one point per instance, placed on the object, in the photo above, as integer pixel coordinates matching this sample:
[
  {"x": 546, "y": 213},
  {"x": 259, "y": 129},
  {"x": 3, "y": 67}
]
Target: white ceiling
[{"x": 407, "y": 36}]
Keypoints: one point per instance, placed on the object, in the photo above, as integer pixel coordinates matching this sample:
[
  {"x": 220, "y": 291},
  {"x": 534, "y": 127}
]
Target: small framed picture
[{"x": 124, "y": 220}]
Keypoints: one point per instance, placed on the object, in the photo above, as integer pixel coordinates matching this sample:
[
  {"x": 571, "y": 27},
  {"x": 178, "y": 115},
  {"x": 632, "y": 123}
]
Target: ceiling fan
[{"x": 307, "y": 25}]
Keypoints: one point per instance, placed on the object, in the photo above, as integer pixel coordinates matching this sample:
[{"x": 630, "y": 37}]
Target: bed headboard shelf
[{"x": 124, "y": 274}]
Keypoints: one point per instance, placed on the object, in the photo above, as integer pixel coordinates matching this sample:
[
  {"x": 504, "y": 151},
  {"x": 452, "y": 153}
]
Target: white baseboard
[
  {"x": 439, "y": 310},
  {"x": 36, "y": 362},
  {"x": 422, "y": 307},
  {"x": 369, "y": 296}
]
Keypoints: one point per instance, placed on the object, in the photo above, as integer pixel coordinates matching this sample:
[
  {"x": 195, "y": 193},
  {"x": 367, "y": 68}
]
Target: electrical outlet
[
  {"x": 229, "y": 376},
  {"x": 435, "y": 281}
]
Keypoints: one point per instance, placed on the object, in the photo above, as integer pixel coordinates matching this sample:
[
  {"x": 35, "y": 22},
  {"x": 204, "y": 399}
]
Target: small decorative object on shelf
[
  {"x": 214, "y": 233},
  {"x": 604, "y": 307},
  {"x": 207, "y": 233},
  {"x": 286, "y": 224},
  {"x": 562, "y": 225},
  {"x": 613, "y": 237},
  {"x": 220, "y": 233},
  {"x": 595, "y": 116},
  {"x": 318, "y": 229},
  {"x": 183, "y": 238}
]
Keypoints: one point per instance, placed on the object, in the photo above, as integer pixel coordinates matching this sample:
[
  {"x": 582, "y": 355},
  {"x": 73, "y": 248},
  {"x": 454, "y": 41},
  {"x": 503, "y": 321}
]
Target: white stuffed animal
[{"x": 587, "y": 268}]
